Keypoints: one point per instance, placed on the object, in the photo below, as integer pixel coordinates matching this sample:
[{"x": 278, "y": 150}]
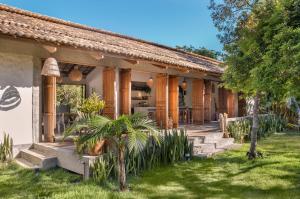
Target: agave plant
[
  {"x": 127, "y": 131},
  {"x": 6, "y": 148},
  {"x": 174, "y": 146}
]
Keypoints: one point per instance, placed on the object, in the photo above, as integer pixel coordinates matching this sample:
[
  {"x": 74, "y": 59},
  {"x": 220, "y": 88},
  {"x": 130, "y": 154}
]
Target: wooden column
[
  {"x": 162, "y": 100},
  {"x": 207, "y": 101},
  {"x": 109, "y": 92},
  {"x": 173, "y": 100},
  {"x": 232, "y": 104},
  {"x": 50, "y": 108},
  {"x": 125, "y": 91},
  {"x": 241, "y": 106},
  {"x": 222, "y": 99},
  {"x": 198, "y": 101}
]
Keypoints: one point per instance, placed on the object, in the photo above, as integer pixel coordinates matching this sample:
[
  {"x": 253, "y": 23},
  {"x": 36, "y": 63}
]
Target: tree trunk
[
  {"x": 122, "y": 172},
  {"x": 252, "y": 152}
]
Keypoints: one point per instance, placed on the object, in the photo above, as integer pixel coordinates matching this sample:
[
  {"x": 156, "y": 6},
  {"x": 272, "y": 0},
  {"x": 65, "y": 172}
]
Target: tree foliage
[
  {"x": 262, "y": 43},
  {"x": 263, "y": 54},
  {"x": 201, "y": 51}
]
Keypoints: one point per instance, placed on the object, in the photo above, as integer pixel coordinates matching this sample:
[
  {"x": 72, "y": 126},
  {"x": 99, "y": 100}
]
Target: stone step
[
  {"x": 196, "y": 139},
  {"x": 204, "y": 148},
  {"x": 38, "y": 159},
  {"x": 213, "y": 137},
  {"x": 223, "y": 142},
  {"x": 218, "y": 150},
  {"x": 24, "y": 163},
  {"x": 45, "y": 150}
]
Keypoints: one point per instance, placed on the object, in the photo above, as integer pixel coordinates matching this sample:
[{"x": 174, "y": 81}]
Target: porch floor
[{"x": 204, "y": 129}]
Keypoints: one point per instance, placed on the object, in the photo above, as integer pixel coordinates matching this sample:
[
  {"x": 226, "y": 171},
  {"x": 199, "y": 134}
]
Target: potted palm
[
  {"x": 93, "y": 105},
  {"x": 126, "y": 131}
]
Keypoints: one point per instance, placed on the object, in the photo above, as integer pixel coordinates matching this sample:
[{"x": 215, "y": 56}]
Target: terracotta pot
[
  {"x": 97, "y": 149},
  {"x": 226, "y": 135}
]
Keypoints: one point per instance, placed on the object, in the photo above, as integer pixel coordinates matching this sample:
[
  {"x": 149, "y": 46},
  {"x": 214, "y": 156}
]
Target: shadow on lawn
[
  {"x": 211, "y": 179},
  {"x": 17, "y": 183}
]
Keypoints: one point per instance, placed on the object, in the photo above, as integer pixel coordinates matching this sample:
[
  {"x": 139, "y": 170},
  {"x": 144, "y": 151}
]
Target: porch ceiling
[{"x": 66, "y": 68}]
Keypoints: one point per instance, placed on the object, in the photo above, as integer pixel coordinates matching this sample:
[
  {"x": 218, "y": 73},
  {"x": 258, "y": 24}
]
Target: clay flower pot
[{"x": 97, "y": 149}]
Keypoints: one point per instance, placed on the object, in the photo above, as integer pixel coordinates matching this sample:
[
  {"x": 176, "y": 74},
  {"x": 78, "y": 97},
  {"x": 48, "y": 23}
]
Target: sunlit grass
[{"x": 228, "y": 175}]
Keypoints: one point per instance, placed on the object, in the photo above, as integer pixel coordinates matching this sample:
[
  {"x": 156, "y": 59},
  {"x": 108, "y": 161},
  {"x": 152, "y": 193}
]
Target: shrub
[
  {"x": 173, "y": 147},
  {"x": 268, "y": 124},
  {"x": 92, "y": 105},
  {"x": 240, "y": 130},
  {"x": 6, "y": 148}
]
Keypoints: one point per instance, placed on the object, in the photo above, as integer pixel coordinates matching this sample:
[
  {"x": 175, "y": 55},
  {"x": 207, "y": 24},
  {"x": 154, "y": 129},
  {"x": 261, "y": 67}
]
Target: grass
[{"x": 228, "y": 175}]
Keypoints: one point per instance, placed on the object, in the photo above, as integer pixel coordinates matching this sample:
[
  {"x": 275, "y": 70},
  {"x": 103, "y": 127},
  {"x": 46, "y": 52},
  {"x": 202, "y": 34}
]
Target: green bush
[
  {"x": 240, "y": 130},
  {"x": 6, "y": 148},
  {"x": 268, "y": 124},
  {"x": 92, "y": 105},
  {"x": 174, "y": 146}
]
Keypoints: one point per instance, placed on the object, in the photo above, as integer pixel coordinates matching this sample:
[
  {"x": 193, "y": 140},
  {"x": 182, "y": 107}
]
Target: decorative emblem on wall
[{"x": 9, "y": 98}]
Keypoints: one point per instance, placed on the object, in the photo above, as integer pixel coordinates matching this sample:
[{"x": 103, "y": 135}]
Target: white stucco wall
[
  {"x": 143, "y": 77},
  {"x": 95, "y": 81},
  {"x": 17, "y": 71}
]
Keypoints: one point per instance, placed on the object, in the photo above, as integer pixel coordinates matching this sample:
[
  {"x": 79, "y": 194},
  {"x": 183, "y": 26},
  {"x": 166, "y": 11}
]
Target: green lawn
[{"x": 228, "y": 175}]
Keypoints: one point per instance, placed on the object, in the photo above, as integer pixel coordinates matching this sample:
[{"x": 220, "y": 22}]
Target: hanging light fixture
[
  {"x": 184, "y": 84},
  {"x": 50, "y": 68},
  {"x": 150, "y": 82},
  {"x": 75, "y": 74}
]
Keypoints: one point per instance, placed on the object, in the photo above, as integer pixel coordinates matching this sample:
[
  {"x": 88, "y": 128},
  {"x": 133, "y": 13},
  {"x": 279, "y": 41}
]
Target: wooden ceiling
[{"x": 66, "y": 68}]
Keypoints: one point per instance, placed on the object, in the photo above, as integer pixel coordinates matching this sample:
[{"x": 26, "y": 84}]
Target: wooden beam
[
  {"x": 160, "y": 66},
  {"x": 50, "y": 49},
  {"x": 97, "y": 55},
  {"x": 134, "y": 62}
]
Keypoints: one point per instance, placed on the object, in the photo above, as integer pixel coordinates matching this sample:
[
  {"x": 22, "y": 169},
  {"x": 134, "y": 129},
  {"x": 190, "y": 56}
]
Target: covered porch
[{"x": 173, "y": 97}]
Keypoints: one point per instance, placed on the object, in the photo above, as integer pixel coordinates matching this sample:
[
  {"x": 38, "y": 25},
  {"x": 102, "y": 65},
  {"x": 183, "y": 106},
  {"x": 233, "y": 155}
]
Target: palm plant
[{"x": 129, "y": 131}]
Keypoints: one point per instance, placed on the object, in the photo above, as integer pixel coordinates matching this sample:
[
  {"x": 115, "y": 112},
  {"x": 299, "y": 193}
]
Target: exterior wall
[
  {"x": 17, "y": 71},
  {"x": 95, "y": 81},
  {"x": 143, "y": 77}
]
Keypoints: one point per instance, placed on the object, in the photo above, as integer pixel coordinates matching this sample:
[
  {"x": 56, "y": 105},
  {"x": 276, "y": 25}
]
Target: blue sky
[{"x": 169, "y": 22}]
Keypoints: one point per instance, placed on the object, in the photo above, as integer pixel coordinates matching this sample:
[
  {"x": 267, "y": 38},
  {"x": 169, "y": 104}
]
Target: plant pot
[
  {"x": 97, "y": 149},
  {"x": 226, "y": 135}
]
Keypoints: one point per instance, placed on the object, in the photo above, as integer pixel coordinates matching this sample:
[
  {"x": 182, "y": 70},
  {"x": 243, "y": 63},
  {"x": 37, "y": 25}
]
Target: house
[{"x": 184, "y": 86}]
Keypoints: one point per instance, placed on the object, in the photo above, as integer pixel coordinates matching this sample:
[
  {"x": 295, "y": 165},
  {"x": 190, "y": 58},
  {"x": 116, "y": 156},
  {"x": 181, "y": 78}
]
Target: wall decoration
[{"x": 9, "y": 98}]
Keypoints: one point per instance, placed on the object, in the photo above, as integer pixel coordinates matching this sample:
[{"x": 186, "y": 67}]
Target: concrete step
[
  {"x": 223, "y": 142},
  {"x": 24, "y": 163},
  {"x": 213, "y": 137},
  {"x": 217, "y": 151},
  {"x": 196, "y": 139},
  {"x": 204, "y": 148},
  {"x": 38, "y": 159},
  {"x": 45, "y": 150}
]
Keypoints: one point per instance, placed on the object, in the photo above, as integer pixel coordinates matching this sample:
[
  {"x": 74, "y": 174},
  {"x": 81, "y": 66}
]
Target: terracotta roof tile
[{"x": 25, "y": 24}]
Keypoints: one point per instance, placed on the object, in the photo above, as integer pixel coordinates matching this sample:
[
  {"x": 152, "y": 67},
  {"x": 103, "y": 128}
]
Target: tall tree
[{"x": 262, "y": 43}]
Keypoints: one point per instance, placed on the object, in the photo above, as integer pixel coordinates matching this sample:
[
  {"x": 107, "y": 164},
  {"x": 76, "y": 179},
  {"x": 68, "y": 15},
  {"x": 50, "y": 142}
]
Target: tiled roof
[{"x": 24, "y": 24}]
